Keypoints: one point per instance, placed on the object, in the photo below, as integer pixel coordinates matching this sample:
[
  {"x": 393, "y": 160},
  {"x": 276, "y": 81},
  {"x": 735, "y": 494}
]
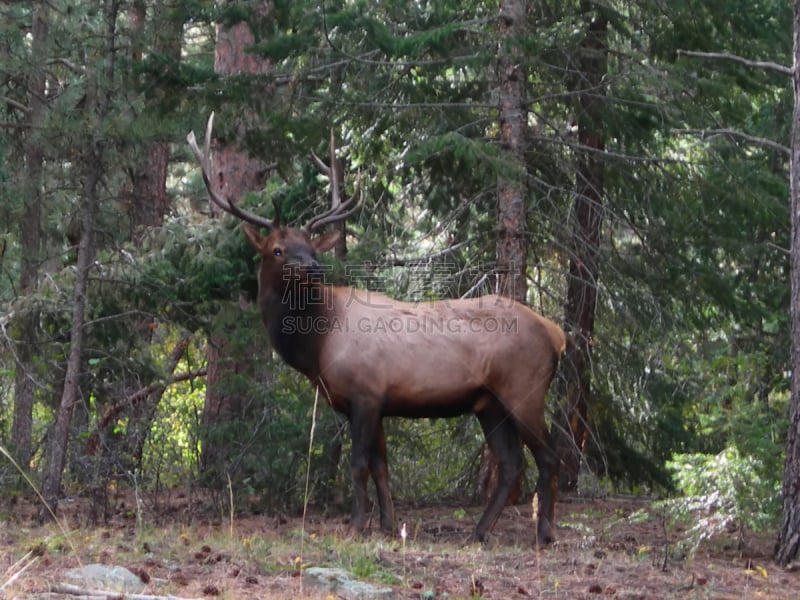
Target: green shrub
[{"x": 722, "y": 492}]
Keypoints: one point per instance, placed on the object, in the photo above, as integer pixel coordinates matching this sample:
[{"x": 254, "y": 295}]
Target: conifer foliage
[{"x": 631, "y": 162}]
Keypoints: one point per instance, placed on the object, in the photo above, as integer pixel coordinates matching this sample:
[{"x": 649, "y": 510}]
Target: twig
[
  {"x": 422, "y": 260},
  {"x": 308, "y": 479},
  {"x": 76, "y": 68},
  {"x": 25, "y": 567},
  {"x": 74, "y": 590},
  {"x": 751, "y": 139},
  {"x": 14, "y": 104},
  {"x": 144, "y": 393},
  {"x": 118, "y": 407},
  {"x": 754, "y": 64},
  {"x": 480, "y": 282}
]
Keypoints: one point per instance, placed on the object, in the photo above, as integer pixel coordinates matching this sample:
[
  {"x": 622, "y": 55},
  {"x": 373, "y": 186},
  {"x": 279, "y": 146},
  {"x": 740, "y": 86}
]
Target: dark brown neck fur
[{"x": 296, "y": 321}]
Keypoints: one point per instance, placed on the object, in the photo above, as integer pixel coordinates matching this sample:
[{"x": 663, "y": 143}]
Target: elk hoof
[
  {"x": 545, "y": 534},
  {"x": 476, "y": 538}
]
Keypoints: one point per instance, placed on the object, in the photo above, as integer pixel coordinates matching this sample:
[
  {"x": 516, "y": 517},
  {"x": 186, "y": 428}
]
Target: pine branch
[
  {"x": 14, "y": 104},
  {"x": 732, "y": 133},
  {"x": 75, "y": 68},
  {"x": 754, "y": 64}
]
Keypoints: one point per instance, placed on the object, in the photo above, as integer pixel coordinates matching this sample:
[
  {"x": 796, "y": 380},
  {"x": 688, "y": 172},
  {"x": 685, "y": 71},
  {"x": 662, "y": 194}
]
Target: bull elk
[{"x": 373, "y": 357}]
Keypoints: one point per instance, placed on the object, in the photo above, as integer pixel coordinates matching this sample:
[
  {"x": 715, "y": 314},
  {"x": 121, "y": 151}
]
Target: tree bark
[
  {"x": 788, "y": 547},
  {"x": 149, "y": 198},
  {"x": 236, "y": 174},
  {"x": 511, "y": 193},
  {"x": 30, "y": 235},
  {"x": 99, "y": 103},
  {"x": 511, "y": 245},
  {"x": 581, "y": 302}
]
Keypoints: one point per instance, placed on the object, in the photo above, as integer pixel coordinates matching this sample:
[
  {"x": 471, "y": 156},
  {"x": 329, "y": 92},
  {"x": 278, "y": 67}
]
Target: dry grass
[{"x": 613, "y": 548}]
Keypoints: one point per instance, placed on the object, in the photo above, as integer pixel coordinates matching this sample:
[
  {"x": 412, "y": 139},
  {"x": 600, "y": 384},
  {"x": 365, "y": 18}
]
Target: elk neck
[{"x": 297, "y": 311}]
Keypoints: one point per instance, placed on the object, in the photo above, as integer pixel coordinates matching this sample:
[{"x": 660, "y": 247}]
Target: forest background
[{"x": 613, "y": 164}]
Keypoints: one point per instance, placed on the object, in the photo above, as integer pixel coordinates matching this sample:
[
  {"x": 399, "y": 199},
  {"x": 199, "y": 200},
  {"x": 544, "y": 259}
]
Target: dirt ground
[{"x": 613, "y": 547}]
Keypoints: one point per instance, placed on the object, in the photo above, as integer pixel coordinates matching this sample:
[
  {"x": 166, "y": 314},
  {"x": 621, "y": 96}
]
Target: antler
[
  {"x": 204, "y": 158},
  {"x": 339, "y": 210}
]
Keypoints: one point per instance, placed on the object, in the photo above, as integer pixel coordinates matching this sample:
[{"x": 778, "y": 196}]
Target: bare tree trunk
[
  {"x": 99, "y": 101},
  {"x": 581, "y": 300},
  {"x": 511, "y": 193},
  {"x": 161, "y": 38},
  {"x": 149, "y": 201},
  {"x": 31, "y": 236},
  {"x": 511, "y": 246},
  {"x": 788, "y": 547},
  {"x": 236, "y": 174}
]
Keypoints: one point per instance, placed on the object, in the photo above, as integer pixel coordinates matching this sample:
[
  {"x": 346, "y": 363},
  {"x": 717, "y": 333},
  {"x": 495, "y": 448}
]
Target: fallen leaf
[{"x": 211, "y": 590}]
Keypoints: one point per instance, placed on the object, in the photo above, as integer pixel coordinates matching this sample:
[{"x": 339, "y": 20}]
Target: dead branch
[
  {"x": 732, "y": 133},
  {"x": 14, "y": 104},
  {"x": 424, "y": 260},
  {"x": 129, "y": 401},
  {"x": 753, "y": 64},
  {"x": 24, "y": 563},
  {"x": 142, "y": 394}
]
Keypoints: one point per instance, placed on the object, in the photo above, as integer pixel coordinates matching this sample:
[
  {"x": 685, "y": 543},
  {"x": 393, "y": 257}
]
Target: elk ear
[
  {"x": 255, "y": 238},
  {"x": 325, "y": 242}
]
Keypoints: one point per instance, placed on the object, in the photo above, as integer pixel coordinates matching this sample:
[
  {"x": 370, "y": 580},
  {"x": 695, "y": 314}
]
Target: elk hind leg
[
  {"x": 541, "y": 446},
  {"x": 503, "y": 439},
  {"x": 528, "y": 412}
]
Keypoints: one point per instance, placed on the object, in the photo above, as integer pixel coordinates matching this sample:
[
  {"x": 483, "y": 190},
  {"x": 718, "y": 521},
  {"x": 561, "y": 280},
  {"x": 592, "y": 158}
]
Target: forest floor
[{"x": 612, "y": 547}]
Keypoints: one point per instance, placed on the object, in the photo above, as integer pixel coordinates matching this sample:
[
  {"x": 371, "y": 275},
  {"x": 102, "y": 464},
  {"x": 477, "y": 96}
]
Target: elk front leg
[
  {"x": 363, "y": 431},
  {"x": 379, "y": 469}
]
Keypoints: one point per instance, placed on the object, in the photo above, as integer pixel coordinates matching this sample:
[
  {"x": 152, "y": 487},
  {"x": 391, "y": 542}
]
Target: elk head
[{"x": 288, "y": 255}]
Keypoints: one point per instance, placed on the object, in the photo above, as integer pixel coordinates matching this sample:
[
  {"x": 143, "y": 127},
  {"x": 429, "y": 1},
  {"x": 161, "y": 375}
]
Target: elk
[{"x": 373, "y": 357}]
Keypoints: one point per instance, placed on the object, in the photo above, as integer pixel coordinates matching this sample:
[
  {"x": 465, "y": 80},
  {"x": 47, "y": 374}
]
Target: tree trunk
[
  {"x": 581, "y": 300},
  {"x": 236, "y": 174},
  {"x": 511, "y": 244},
  {"x": 98, "y": 102},
  {"x": 31, "y": 236},
  {"x": 511, "y": 193},
  {"x": 788, "y": 547},
  {"x": 149, "y": 199}
]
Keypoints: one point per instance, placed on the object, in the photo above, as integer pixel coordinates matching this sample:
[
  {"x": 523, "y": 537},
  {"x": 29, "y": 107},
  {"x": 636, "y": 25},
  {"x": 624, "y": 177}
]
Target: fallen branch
[
  {"x": 753, "y": 64},
  {"x": 26, "y": 561},
  {"x": 74, "y": 590}
]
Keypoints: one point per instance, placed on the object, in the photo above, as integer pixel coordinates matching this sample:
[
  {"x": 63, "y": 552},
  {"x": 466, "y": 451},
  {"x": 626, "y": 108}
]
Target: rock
[
  {"x": 115, "y": 579},
  {"x": 342, "y": 584}
]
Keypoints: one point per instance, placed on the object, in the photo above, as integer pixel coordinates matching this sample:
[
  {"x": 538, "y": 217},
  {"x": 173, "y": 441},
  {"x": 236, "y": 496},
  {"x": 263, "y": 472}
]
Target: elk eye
[{"x": 277, "y": 252}]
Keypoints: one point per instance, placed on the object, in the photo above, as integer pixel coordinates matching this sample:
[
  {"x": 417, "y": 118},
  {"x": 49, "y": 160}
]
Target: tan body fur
[{"x": 372, "y": 356}]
